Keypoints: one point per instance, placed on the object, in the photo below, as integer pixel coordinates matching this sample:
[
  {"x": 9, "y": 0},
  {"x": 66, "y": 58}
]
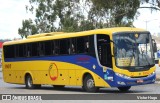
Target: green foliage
[
  {"x": 28, "y": 28},
  {"x": 79, "y": 15},
  {"x": 116, "y": 11}
]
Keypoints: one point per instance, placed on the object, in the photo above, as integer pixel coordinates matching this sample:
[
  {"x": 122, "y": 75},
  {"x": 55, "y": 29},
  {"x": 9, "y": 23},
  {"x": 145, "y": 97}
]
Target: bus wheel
[
  {"x": 124, "y": 89},
  {"x": 89, "y": 85},
  {"x": 29, "y": 82}
]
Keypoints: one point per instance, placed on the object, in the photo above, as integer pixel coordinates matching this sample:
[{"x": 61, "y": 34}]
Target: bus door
[{"x": 104, "y": 50}]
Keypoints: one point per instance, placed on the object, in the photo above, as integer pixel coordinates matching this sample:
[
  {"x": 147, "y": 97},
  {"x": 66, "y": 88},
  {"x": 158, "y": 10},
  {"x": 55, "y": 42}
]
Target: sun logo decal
[
  {"x": 136, "y": 35},
  {"x": 53, "y": 71}
]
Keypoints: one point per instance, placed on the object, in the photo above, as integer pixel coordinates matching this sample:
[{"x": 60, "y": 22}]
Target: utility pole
[{"x": 146, "y": 21}]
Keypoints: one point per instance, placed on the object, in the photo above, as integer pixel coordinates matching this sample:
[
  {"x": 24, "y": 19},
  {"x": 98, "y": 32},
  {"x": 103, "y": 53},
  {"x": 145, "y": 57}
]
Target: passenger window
[
  {"x": 48, "y": 48},
  {"x": 16, "y": 50},
  {"x": 64, "y": 46},
  {"x": 28, "y": 47},
  {"x": 83, "y": 45},
  {"x": 22, "y": 50},
  {"x": 34, "y": 51},
  {"x": 41, "y": 49},
  {"x": 73, "y": 46},
  {"x": 8, "y": 53},
  {"x": 57, "y": 47}
]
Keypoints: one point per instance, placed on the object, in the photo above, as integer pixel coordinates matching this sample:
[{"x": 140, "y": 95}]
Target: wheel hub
[
  {"x": 90, "y": 83},
  {"x": 29, "y": 82}
]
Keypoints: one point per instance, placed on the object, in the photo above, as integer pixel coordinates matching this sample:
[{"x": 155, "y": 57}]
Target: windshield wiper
[
  {"x": 132, "y": 55},
  {"x": 145, "y": 57}
]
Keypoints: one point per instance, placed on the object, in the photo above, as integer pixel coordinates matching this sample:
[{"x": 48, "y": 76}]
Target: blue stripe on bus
[
  {"x": 86, "y": 62},
  {"x": 81, "y": 60}
]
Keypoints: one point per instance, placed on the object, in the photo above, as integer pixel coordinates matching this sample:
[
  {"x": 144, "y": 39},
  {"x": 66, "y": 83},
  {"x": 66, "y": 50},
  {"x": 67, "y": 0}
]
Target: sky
[
  {"x": 12, "y": 12},
  {"x": 149, "y": 20}
]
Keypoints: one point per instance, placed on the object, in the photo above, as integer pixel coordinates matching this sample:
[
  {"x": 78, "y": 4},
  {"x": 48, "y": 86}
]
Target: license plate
[{"x": 140, "y": 81}]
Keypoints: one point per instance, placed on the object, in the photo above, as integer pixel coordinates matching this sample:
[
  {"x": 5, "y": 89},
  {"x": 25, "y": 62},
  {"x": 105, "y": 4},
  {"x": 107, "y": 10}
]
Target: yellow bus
[{"x": 112, "y": 57}]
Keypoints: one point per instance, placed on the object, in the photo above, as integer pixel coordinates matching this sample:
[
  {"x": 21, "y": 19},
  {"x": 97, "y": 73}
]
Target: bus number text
[{"x": 7, "y": 66}]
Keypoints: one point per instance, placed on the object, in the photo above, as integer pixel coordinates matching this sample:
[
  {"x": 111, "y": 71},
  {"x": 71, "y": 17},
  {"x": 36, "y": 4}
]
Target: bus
[{"x": 111, "y": 57}]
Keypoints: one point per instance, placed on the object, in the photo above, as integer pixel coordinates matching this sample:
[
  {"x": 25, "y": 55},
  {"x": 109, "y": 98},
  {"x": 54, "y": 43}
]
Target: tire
[
  {"x": 89, "y": 85},
  {"x": 124, "y": 89},
  {"x": 29, "y": 83}
]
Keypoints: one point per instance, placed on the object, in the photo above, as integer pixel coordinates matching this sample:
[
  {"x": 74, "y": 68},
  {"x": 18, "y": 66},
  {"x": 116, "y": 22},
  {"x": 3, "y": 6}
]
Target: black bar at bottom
[{"x": 79, "y": 96}]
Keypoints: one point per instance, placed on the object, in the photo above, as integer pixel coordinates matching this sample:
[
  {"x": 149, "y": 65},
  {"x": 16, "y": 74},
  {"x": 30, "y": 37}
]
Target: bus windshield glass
[{"x": 133, "y": 49}]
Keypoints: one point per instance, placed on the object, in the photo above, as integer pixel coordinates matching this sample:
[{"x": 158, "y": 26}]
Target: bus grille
[{"x": 139, "y": 77}]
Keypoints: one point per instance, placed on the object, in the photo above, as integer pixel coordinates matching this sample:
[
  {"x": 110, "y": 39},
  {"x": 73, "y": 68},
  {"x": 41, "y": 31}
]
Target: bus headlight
[
  {"x": 152, "y": 73},
  {"x": 122, "y": 75}
]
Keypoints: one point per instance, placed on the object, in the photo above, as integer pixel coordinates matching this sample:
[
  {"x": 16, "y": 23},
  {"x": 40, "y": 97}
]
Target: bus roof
[{"x": 59, "y": 35}]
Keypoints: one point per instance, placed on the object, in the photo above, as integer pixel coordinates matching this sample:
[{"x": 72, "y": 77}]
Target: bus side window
[
  {"x": 25, "y": 50},
  {"x": 81, "y": 45},
  {"x": 56, "y": 48},
  {"x": 7, "y": 51},
  {"x": 86, "y": 44},
  {"x": 22, "y": 50},
  {"x": 64, "y": 46},
  {"x": 28, "y": 50},
  {"x": 16, "y": 50},
  {"x": 34, "y": 49},
  {"x": 91, "y": 46},
  {"x": 48, "y": 48},
  {"x": 73, "y": 46},
  {"x": 28, "y": 53},
  {"x": 72, "y": 49},
  {"x": 41, "y": 49},
  {"x": 53, "y": 49}
]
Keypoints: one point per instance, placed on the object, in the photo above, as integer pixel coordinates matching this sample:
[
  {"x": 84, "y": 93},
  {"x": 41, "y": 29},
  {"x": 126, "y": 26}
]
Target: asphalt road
[{"x": 6, "y": 88}]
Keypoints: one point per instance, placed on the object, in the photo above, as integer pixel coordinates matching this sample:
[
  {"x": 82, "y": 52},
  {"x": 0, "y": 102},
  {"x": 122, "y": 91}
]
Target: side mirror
[{"x": 154, "y": 46}]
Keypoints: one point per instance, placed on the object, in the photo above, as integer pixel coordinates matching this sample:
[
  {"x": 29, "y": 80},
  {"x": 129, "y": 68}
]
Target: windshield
[{"x": 133, "y": 49}]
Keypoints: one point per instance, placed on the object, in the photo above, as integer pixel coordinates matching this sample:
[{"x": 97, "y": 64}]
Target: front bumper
[{"x": 121, "y": 82}]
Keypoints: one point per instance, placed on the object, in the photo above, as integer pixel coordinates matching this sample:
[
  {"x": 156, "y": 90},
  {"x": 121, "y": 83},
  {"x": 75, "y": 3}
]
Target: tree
[
  {"x": 116, "y": 12},
  {"x": 28, "y": 28},
  {"x": 154, "y": 4},
  {"x": 79, "y": 15}
]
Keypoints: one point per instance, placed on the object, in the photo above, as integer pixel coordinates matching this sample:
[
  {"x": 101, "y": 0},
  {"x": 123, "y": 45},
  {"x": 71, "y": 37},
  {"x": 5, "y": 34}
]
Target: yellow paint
[
  {"x": 68, "y": 74},
  {"x": 134, "y": 74}
]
